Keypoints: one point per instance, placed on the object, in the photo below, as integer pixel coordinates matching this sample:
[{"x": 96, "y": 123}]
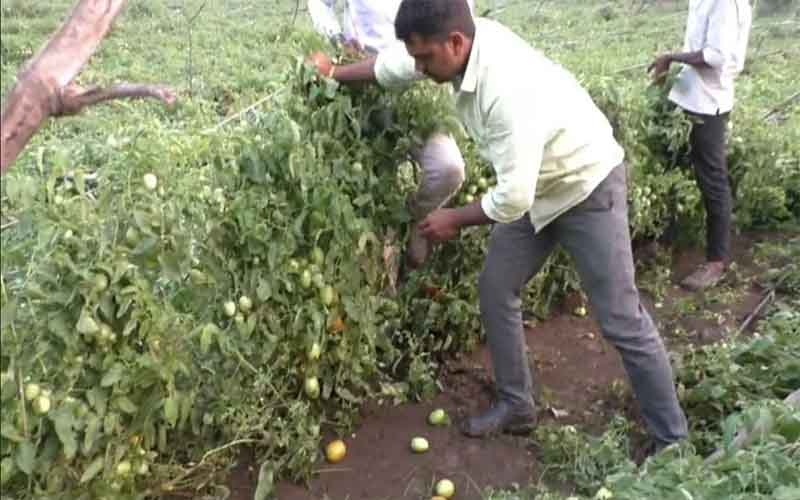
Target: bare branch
[
  {"x": 74, "y": 98},
  {"x": 44, "y": 88}
]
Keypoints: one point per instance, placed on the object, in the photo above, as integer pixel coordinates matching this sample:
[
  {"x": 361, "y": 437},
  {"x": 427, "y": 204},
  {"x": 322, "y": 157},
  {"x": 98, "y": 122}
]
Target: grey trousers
[{"x": 595, "y": 233}]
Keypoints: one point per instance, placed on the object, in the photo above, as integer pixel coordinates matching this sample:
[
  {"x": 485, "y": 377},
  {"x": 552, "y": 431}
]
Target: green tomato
[
  {"x": 327, "y": 295},
  {"x": 472, "y": 189},
  {"x": 294, "y": 266},
  {"x": 357, "y": 167},
  {"x": 150, "y": 181},
  {"x": 437, "y": 417},
  {"x": 312, "y": 387},
  {"x": 419, "y": 445},
  {"x": 82, "y": 410},
  {"x": 318, "y": 279},
  {"x": 124, "y": 468},
  {"x": 229, "y": 308},
  {"x": 106, "y": 334},
  {"x": 315, "y": 352},
  {"x": 7, "y": 470},
  {"x": 197, "y": 277},
  {"x": 41, "y": 405},
  {"x": 317, "y": 257},
  {"x": 483, "y": 183},
  {"x": 305, "y": 279},
  {"x": 445, "y": 488},
  {"x": 87, "y": 325},
  {"x": 245, "y": 304},
  {"x": 32, "y": 391},
  {"x": 469, "y": 199},
  {"x": 132, "y": 236}
]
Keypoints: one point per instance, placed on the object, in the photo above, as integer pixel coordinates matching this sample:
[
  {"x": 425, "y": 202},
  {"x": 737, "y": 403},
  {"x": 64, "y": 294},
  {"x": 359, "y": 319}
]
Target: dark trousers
[
  {"x": 708, "y": 156},
  {"x": 595, "y": 233}
]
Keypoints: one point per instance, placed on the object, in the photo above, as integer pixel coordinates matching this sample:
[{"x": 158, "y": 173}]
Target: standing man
[
  {"x": 717, "y": 33},
  {"x": 560, "y": 180},
  {"x": 369, "y": 26}
]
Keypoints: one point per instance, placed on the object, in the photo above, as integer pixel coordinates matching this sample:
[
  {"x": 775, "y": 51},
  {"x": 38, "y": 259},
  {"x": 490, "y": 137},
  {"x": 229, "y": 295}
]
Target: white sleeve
[
  {"x": 722, "y": 33},
  {"x": 323, "y": 17},
  {"x": 394, "y": 68},
  {"x": 515, "y": 147}
]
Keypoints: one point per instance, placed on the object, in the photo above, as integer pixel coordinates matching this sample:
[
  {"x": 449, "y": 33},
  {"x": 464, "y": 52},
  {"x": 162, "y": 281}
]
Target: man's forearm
[
  {"x": 360, "y": 72},
  {"x": 472, "y": 215},
  {"x": 691, "y": 58}
]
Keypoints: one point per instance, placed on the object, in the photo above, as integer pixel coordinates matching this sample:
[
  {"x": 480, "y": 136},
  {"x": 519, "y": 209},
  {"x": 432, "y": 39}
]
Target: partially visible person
[
  {"x": 369, "y": 27},
  {"x": 715, "y": 47}
]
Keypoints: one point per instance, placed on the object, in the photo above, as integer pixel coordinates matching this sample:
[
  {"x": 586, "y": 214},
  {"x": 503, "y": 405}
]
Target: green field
[{"x": 114, "y": 295}]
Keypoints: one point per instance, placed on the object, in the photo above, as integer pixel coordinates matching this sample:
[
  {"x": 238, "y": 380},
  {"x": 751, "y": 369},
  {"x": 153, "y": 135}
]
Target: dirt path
[{"x": 579, "y": 378}]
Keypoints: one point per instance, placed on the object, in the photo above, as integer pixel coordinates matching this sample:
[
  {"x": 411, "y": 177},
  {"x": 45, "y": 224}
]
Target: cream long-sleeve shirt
[
  {"x": 547, "y": 141},
  {"x": 721, "y": 30}
]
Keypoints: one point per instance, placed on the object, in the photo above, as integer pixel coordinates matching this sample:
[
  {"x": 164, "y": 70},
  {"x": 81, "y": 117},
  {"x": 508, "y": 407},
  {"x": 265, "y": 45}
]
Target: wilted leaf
[{"x": 92, "y": 470}]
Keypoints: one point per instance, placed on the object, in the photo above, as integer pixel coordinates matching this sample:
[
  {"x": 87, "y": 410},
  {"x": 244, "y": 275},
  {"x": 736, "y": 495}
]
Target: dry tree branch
[
  {"x": 44, "y": 86},
  {"x": 74, "y": 98}
]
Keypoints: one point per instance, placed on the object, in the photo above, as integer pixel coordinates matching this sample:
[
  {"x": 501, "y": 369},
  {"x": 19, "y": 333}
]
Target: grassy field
[{"x": 242, "y": 208}]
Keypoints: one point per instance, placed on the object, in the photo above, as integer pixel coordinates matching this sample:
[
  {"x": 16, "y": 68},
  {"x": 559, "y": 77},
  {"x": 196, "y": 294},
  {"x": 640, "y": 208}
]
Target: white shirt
[
  {"x": 368, "y": 22},
  {"x": 720, "y": 29},
  {"x": 547, "y": 141}
]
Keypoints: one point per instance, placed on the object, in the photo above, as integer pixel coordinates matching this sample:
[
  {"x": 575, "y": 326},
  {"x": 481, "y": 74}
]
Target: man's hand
[
  {"x": 323, "y": 63},
  {"x": 441, "y": 225},
  {"x": 353, "y": 49},
  {"x": 660, "y": 68}
]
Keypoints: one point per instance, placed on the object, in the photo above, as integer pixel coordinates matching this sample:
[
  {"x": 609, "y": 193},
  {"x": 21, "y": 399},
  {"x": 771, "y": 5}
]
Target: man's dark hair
[{"x": 433, "y": 19}]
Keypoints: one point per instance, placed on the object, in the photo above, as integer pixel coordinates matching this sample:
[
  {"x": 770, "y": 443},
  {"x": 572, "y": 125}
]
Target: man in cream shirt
[
  {"x": 560, "y": 180},
  {"x": 369, "y": 25},
  {"x": 717, "y": 34}
]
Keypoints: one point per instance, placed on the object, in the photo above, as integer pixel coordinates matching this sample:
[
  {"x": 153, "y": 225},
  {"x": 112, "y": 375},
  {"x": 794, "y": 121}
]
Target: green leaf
[
  {"x": 170, "y": 266},
  {"x": 8, "y": 313},
  {"x": 786, "y": 493},
  {"x": 171, "y": 410},
  {"x": 265, "y": 483},
  {"x": 207, "y": 337},
  {"x": 125, "y": 404},
  {"x": 26, "y": 457},
  {"x": 264, "y": 290},
  {"x": 61, "y": 325},
  {"x": 93, "y": 426},
  {"x": 113, "y": 375},
  {"x": 93, "y": 470},
  {"x": 98, "y": 399},
  {"x": 9, "y": 431},
  {"x": 130, "y": 326},
  {"x": 65, "y": 424}
]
